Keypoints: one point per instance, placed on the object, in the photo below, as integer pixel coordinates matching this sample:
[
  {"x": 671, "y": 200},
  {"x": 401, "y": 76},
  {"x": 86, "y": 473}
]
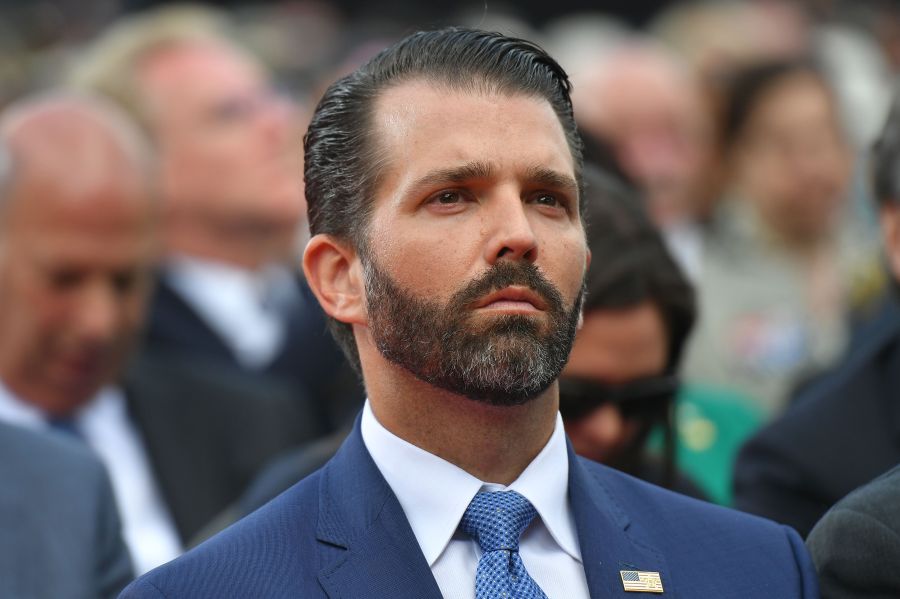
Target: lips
[{"x": 515, "y": 295}]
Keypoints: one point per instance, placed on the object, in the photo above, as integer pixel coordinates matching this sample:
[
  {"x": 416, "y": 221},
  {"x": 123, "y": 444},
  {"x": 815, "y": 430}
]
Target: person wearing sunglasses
[{"x": 621, "y": 380}]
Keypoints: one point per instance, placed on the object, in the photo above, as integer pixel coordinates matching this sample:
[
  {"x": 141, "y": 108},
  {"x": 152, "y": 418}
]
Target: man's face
[
  {"x": 229, "y": 148},
  {"x": 615, "y": 348},
  {"x": 476, "y": 253},
  {"x": 74, "y": 274},
  {"x": 791, "y": 160},
  {"x": 658, "y": 124}
]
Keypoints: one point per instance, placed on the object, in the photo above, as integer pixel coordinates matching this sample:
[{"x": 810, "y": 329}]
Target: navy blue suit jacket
[
  {"x": 60, "y": 534},
  {"x": 342, "y": 533},
  {"x": 841, "y": 432}
]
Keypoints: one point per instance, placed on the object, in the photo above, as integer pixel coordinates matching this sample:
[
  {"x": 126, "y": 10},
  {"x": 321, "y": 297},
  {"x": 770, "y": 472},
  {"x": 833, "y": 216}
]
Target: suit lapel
[
  {"x": 368, "y": 548},
  {"x": 609, "y": 541}
]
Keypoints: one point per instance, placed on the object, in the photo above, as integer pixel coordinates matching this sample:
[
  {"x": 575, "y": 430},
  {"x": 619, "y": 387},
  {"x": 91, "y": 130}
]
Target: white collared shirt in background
[
  {"x": 237, "y": 303},
  {"x": 434, "y": 495},
  {"x": 147, "y": 527}
]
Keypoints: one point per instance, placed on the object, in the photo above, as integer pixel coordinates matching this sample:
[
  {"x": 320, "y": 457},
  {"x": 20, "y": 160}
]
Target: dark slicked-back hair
[{"x": 343, "y": 158}]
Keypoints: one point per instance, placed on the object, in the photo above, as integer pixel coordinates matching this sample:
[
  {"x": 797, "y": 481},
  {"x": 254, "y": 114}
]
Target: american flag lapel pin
[{"x": 641, "y": 582}]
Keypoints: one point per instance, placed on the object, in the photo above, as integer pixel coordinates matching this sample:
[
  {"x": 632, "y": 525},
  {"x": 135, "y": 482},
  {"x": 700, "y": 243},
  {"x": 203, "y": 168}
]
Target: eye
[
  {"x": 447, "y": 197},
  {"x": 123, "y": 282},
  {"x": 65, "y": 279},
  {"x": 547, "y": 199},
  {"x": 449, "y": 201},
  {"x": 550, "y": 202}
]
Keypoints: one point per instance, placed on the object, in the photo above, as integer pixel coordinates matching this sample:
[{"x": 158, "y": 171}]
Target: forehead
[
  {"x": 111, "y": 216},
  {"x": 620, "y": 344},
  {"x": 190, "y": 74},
  {"x": 791, "y": 96},
  {"x": 422, "y": 126}
]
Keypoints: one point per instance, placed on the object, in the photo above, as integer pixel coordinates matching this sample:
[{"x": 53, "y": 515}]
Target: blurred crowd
[{"x": 740, "y": 323}]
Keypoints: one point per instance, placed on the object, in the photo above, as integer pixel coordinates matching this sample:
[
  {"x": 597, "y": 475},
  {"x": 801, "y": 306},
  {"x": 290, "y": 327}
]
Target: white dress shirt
[
  {"x": 237, "y": 303},
  {"x": 434, "y": 495},
  {"x": 147, "y": 526}
]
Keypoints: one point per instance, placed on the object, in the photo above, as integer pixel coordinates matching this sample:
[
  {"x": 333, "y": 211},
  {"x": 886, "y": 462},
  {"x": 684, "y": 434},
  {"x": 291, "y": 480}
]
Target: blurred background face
[
  {"x": 614, "y": 348},
  {"x": 790, "y": 160},
  {"x": 229, "y": 145},
  {"x": 656, "y": 120},
  {"x": 75, "y": 267}
]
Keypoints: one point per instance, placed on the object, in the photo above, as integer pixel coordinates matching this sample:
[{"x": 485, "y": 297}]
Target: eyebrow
[
  {"x": 536, "y": 175},
  {"x": 458, "y": 174},
  {"x": 539, "y": 175}
]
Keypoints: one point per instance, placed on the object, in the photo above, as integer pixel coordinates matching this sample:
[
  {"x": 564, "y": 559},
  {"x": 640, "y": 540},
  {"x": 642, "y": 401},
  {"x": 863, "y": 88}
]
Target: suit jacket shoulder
[
  {"x": 705, "y": 550},
  {"x": 342, "y": 533},
  {"x": 61, "y": 532},
  {"x": 826, "y": 445},
  {"x": 857, "y": 544}
]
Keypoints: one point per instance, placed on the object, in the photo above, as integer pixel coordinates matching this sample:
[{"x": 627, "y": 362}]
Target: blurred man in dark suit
[
  {"x": 228, "y": 146},
  {"x": 76, "y": 263},
  {"x": 61, "y": 532},
  {"x": 75, "y": 268},
  {"x": 843, "y": 429}
]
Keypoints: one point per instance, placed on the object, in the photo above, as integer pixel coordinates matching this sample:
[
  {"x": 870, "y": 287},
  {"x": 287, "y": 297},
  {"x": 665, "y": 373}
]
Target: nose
[
  {"x": 279, "y": 120},
  {"x": 610, "y": 425},
  {"x": 98, "y": 314},
  {"x": 511, "y": 234}
]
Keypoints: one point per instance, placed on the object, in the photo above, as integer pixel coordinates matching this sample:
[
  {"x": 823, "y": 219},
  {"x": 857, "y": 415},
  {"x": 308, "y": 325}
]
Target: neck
[
  {"x": 245, "y": 246},
  {"x": 494, "y": 444}
]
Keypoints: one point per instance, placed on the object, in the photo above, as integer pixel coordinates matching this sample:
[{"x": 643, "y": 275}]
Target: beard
[{"x": 503, "y": 360}]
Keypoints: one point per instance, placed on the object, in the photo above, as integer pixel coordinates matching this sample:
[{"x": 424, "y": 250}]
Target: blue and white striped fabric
[{"x": 496, "y": 521}]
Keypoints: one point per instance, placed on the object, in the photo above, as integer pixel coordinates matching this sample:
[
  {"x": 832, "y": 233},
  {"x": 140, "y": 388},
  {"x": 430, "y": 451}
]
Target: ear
[{"x": 334, "y": 274}]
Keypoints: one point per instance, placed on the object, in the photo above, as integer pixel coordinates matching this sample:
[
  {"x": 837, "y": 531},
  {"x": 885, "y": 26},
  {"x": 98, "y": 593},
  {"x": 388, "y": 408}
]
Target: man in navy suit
[{"x": 448, "y": 249}]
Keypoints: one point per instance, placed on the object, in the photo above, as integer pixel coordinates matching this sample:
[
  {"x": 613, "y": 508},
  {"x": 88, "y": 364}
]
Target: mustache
[{"x": 504, "y": 274}]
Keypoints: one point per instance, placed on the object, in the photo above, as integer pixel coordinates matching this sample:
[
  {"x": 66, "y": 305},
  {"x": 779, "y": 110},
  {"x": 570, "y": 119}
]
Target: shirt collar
[
  {"x": 434, "y": 493},
  {"x": 16, "y": 411},
  {"x": 248, "y": 308}
]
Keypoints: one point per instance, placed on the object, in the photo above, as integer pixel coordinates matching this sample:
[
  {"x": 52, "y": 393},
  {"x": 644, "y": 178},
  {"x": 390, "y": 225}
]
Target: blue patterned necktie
[{"x": 496, "y": 521}]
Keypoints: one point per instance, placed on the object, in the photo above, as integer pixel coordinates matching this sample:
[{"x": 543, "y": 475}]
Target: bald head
[
  {"x": 649, "y": 106},
  {"x": 74, "y": 148},
  {"x": 77, "y": 248},
  {"x": 634, "y": 72}
]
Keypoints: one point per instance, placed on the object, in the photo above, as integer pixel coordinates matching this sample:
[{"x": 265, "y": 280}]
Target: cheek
[
  {"x": 133, "y": 313},
  {"x": 40, "y": 329},
  {"x": 428, "y": 261},
  {"x": 35, "y": 301},
  {"x": 31, "y": 318},
  {"x": 567, "y": 261},
  {"x": 53, "y": 316}
]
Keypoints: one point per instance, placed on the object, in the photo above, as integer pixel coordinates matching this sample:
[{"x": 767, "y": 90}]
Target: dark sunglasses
[{"x": 647, "y": 398}]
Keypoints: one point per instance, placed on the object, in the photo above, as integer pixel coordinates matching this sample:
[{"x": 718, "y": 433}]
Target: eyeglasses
[{"x": 646, "y": 398}]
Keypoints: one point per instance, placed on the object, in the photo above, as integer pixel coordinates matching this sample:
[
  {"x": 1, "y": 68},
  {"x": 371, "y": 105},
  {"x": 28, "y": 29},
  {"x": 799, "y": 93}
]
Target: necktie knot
[
  {"x": 66, "y": 425},
  {"x": 496, "y": 520}
]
